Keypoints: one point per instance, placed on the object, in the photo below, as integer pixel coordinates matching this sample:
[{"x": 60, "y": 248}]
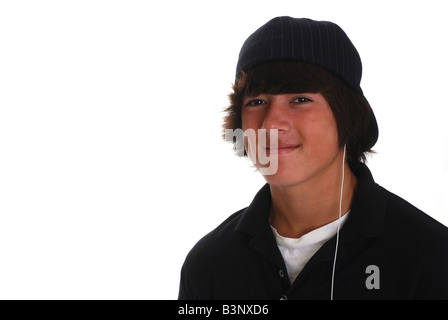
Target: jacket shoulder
[
  {"x": 205, "y": 256},
  {"x": 218, "y": 236},
  {"x": 419, "y": 242},
  {"x": 407, "y": 218}
]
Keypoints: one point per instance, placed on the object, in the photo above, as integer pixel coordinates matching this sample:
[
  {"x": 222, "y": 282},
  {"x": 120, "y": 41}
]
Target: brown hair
[{"x": 354, "y": 117}]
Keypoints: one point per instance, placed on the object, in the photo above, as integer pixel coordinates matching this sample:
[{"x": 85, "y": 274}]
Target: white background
[{"x": 111, "y": 160}]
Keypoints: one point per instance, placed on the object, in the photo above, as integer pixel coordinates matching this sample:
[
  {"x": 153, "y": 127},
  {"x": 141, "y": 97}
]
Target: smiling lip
[{"x": 283, "y": 149}]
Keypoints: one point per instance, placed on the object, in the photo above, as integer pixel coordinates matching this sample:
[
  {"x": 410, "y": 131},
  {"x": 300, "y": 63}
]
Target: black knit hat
[{"x": 319, "y": 42}]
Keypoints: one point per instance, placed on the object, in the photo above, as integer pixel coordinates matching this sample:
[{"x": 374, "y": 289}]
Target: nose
[{"x": 276, "y": 116}]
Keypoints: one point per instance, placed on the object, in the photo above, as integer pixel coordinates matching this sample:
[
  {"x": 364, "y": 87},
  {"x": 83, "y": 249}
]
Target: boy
[{"x": 321, "y": 228}]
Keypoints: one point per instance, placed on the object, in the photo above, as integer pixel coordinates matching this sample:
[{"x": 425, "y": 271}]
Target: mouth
[{"x": 282, "y": 149}]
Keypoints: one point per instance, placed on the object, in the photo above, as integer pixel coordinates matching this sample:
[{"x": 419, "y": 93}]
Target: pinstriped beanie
[{"x": 318, "y": 42}]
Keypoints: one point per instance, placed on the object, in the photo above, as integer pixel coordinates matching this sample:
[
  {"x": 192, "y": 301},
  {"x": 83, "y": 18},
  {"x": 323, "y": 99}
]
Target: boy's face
[{"x": 307, "y": 134}]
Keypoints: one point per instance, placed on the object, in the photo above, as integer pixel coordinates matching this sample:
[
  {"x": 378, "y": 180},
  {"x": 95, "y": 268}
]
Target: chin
[{"x": 282, "y": 178}]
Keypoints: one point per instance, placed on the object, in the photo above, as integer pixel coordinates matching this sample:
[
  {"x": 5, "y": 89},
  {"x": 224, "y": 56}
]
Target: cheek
[
  {"x": 321, "y": 133},
  {"x": 245, "y": 121},
  {"x": 250, "y": 120},
  {"x": 249, "y": 125}
]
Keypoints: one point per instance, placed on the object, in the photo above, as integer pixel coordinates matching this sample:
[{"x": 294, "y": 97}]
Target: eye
[
  {"x": 255, "y": 102},
  {"x": 302, "y": 100}
]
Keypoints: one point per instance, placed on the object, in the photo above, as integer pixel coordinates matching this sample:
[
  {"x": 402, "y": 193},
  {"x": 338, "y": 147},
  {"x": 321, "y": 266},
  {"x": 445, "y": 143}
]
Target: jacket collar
[
  {"x": 366, "y": 216},
  {"x": 368, "y": 211},
  {"x": 255, "y": 222},
  {"x": 256, "y": 216}
]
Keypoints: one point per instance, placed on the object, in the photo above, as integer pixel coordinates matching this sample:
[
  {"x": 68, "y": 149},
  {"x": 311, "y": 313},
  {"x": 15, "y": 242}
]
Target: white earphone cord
[{"x": 339, "y": 226}]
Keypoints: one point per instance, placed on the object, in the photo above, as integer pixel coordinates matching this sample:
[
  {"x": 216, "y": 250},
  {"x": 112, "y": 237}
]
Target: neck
[{"x": 299, "y": 209}]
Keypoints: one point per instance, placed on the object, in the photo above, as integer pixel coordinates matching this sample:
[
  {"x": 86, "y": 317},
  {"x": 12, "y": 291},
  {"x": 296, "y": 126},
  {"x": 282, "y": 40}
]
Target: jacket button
[{"x": 281, "y": 273}]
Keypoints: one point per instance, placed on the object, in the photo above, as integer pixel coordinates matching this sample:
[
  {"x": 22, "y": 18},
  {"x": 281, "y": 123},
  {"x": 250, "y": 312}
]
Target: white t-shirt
[{"x": 297, "y": 251}]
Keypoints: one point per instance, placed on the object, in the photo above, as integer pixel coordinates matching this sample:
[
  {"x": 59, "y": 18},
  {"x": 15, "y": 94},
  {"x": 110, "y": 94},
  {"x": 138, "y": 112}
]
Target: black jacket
[{"x": 388, "y": 249}]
